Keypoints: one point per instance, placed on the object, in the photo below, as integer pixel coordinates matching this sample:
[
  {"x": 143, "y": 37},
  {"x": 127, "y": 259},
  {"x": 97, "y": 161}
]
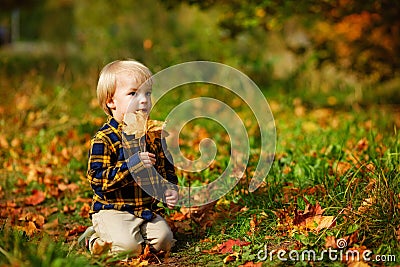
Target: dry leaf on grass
[
  {"x": 251, "y": 264},
  {"x": 358, "y": 264},
  {"x": 231, "y": 257},
  {"x": 30, "y": 228},
  {"x": 312, "y": 218},
  {"x": 36, "y": 198},
  {"x": 76, "y": 230},
  {"x": 100, "y": 247},
  {"x": 330, "y": 242},
  {"x": 227, "y": 246}
]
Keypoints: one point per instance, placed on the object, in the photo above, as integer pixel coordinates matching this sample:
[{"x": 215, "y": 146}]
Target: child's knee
[
  {"x": 164, "y": 241},
  {"x": 131, "y": 247}
]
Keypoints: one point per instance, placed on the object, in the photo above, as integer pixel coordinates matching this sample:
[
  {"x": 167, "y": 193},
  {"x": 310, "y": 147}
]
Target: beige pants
[{"x": 127, "y": 233}]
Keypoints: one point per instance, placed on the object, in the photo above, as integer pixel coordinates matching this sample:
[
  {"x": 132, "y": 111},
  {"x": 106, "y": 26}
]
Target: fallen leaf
[
  {"x": 251, "y": 264},
  {"x": 178, "y": 216},
  {"x": 358, "y": 264},
  {"x": 36, "y": 198},
  {"x": 29, "y": 229},
  {"x": 84, "y": 213},
  {"x": 231, "y": 257},
  {"x": 51, "y": 225},
  {"x": 312, "y": 218},
  {"x": 319, "y": 222},
  {"x": 69, "y": 209},
  {"x": 330, "y": 242},
  {"x": 83, "y": 200},
  {"x": 181, "y": 226},
  {"x": 100, "y": 247},
  {"x": 342, "y": 168},
  {"x": 253, "y": 224},
  {"x": 146, "y": 253},
  {"x": 48, "y": 211},
  {"x": 77, "y": 230},
  {"x": 310, "y": 211},
  {"x": 366, "y": 204},
  {"x": 227, "y": 246},
  {"x": 362, "y": 145},
  {"x": 197, "y": 212},
  {"x": 351, "y": 239}
]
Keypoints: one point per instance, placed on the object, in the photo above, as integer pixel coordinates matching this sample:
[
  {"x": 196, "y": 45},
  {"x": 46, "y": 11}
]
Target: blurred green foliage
[{"x": 312, "y": 47}]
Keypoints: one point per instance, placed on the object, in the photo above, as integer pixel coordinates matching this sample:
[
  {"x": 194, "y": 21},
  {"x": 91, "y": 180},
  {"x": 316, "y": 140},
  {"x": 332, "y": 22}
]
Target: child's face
[{"x": 127, "y": 98}]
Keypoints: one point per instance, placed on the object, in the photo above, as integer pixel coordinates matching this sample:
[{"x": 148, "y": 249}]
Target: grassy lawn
[{"x": 335, "y": 177}]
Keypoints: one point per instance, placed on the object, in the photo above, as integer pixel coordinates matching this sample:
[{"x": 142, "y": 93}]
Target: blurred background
[
  {"x": 330, "y": 70},
  {"x": 309, "y": 48}
]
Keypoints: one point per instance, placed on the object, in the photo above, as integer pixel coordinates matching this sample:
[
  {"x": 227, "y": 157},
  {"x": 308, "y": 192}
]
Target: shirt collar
[{"x": 113, "y": 123}]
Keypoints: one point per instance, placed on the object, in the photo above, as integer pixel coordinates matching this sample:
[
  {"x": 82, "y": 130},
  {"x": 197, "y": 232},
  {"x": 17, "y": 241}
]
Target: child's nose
[{"x": 143, "y": 99}]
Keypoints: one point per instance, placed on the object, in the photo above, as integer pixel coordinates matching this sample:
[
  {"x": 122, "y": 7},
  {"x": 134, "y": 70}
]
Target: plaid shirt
[{"x": 119, "y": 178}]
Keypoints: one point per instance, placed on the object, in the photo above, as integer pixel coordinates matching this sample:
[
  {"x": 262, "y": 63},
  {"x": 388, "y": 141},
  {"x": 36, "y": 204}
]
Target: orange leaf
[
  {"x": 85, "y": 211},
  {"x": 29, "y": 229},
  {"x": 358, "y": 264},
  {"x": 36, "y": 198},
  {"x": 310, "y": 211},
  {"x": 253, "y": 223},
  {"x": 51, "y": 225},
  {"x": 77, "y": 230},
  {"x": 178, "y": 216},
  {"x": 251, "y": 264},
  {"x": 100, "y": 247},
  {"x": 146, "y": 253},
  {"x": 342, "y": 168},
  {"x": 227, "y": 246},
  {"x": 330, "y": 242}
]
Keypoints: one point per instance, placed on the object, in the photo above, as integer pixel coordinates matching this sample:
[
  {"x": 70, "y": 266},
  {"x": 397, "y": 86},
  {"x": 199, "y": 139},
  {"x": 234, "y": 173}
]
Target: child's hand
[
  {"x": 171, "y": 198},
  {"x": 147, "y": 158}
]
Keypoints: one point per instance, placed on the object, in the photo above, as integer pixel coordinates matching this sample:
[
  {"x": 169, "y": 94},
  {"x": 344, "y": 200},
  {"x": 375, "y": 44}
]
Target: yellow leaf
[
  {"x": 138, "y": 124},
  {"x": 231, "y": 257},
  {"x": 135, "y": 123},
  {"x": 144, "y": 263},
  {"x": 319, "y": 222}
]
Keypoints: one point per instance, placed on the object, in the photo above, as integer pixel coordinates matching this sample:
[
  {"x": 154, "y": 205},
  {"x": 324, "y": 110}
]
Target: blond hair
[{"x": 107, "y": 80}]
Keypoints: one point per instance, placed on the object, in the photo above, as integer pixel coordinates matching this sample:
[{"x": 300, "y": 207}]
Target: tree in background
[{"x": 360, "y": 36}]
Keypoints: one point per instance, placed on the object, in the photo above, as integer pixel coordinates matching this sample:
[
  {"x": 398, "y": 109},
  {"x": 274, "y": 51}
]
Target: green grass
[{"x": 344, "y": 156}]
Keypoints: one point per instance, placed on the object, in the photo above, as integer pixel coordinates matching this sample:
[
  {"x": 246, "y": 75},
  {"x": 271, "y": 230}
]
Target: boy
[{"x": 123, "y": 214}]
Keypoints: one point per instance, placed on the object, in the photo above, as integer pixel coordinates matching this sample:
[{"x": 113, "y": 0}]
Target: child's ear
[{"x": 110, "y": 103}]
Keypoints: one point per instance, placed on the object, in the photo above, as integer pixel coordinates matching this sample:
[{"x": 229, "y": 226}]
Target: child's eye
[
  {"x": 148, "y": 93},
  {"x": 132, "y": 93}
]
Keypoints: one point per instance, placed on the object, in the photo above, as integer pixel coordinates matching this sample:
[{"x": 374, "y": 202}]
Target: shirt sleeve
[
  {"x": 108, "y": 170},
  {"x": 171, "y": 180}
]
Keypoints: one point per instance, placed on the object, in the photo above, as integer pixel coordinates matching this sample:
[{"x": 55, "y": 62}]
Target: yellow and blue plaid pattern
[{"x": 118, "y": 177}]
